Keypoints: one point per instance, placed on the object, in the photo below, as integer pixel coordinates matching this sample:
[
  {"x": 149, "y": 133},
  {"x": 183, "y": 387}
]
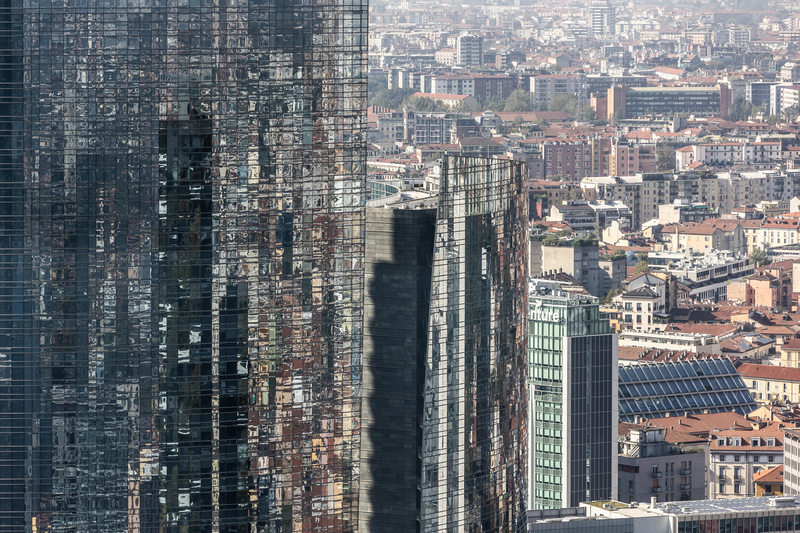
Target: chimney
[{"x": 653, "y": 501}]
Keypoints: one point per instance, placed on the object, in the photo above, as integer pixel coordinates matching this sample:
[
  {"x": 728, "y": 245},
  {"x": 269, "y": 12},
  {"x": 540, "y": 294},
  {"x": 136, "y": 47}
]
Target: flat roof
[{"x": 672, "y": 89}]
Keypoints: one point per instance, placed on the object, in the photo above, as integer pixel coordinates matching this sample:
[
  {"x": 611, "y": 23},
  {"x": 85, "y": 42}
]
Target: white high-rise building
[
  {"x": 470, "y": 49},
  {"x": 602, "y": 17}
]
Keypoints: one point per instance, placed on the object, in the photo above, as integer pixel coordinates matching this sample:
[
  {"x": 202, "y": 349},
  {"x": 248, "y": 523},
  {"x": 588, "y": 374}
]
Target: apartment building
[
  {"x": 546, "y": 86},
  {"x": 574, "y": 160},
  {"x": 738, "y": 453},
  {"x": 470, "y": 49},
  {"x": 651, "y": 465},
  {"x": 630, "y": 159},
  {"x": 769, "y": 382}
]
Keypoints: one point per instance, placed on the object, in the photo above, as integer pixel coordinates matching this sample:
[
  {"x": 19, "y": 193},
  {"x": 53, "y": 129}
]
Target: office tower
[
  {"x": 573, "y": 400},
  {"x": 475, "y": 409},
  {"x": 182, "y": 265},
  {"x": 602, "y": 17},
  {"x": 399, "y": 249}
]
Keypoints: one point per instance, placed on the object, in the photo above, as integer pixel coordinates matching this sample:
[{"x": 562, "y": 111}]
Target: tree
[
  {"x": 716, "y": 64},
  {"x": 565, "y": 102},
  {"x": 666, "y": 157},
  {"x": 518, "y": 121},
  {"x": 609, "y": 297},
  {"x": 741, "y": 109},
  {"x": 543, "y": 106},
  {"x": 773, "y": 119},
  {"x": 519, "y": 101},
  {"x": 575, "y": 194},
  {"x": 759, "y": 257},
  {"x": 642, "y": 265}
]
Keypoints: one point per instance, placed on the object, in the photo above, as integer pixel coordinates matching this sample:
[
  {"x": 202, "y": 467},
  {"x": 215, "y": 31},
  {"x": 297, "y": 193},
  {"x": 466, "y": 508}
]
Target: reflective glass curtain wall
[
  {"x": 475, "y": 408},
  {"x": 181, "y": 264}
]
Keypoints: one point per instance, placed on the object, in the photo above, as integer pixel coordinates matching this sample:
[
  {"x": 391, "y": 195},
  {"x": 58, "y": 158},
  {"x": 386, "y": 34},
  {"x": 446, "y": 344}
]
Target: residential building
[
  {"x": 603, "y": 17},
  {"x": 769, "y": 482},
  {"x": 476, "y": 393},
  {"x": 452, "y": 101},
  {"x": 613, "y": 270},
  {"x": 654, "y": 337},
  {"x": 573, "y": 160},
  {"x": 713, "y": 234},
  {"x": 768, "y": 382},
  {"x": 790, "y": 353},
  {"x": 650, "y": 466},
  {"x": 708, "y": 275},
  {"x": 682, "y": 212},
  {"x": 577, "y": 257},
  {"x": 470, "y": 49},
  {"x": 770, "y": 288},
  {"x": 573, "y": 400},
  {"x": 182, "y": 340},
  {"x": 662, "y": 283},
  {"x": 630, "y": 159},
  {"x": 739, "y": 453},
  {"x": 544, "y": 87},
  {"x": 791, "y": 461},
  {"x": 638, "y": 306},
  {"x": 693, "y": 387}
]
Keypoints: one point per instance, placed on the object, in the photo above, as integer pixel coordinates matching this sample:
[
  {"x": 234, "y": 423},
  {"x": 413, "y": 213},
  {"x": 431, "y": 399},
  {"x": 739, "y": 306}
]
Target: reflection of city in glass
[
  {"x": 182, "y": 265},
  {"x": 475, "y": 412},
  {"x": 573, "y": 372}
]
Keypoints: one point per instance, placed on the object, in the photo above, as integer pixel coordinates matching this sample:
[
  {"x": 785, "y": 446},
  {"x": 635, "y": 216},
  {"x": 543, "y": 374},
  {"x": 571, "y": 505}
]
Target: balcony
[
  {"x": 657, "y": 489},
  {"x": 657, "y": 474},
  {"x": 722, "y": 478},
  {"x": 686, "y": 487},
  {"x": 686, "y": 471}
]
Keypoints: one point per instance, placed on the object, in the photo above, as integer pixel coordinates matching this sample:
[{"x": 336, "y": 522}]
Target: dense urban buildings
[
  {"x": 573, "y": 398},
  {"x": 182, "y": 266}
]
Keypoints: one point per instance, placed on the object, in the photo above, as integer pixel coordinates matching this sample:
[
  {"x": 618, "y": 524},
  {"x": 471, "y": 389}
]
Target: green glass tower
[{"x": 573, "y": 399}]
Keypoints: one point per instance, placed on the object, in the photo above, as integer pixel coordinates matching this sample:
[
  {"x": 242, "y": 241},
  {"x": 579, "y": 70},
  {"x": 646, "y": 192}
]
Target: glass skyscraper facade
[
  {"x": 573, "y": 391},
  {"x": 181, "y": 264},
  {"x": 474, "y": 436}
]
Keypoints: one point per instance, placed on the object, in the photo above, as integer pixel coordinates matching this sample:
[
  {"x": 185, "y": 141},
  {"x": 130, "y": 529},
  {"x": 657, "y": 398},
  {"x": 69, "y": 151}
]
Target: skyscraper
[
  {"x": 474, "y": 434},
  {"x": 181, "y": 265},
  {"x": 573, "y": 400}
]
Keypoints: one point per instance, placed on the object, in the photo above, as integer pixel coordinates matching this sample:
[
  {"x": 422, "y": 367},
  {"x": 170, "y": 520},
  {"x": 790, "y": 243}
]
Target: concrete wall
[{"x": 399, "y": 249}]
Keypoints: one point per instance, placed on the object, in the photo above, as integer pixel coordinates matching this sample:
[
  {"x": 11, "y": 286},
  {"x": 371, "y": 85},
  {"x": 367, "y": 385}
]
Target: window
[
  {"x": 735, "y": 458},
  {"x": 720, "y": 441},
  {"x": 722, "y": 458},
  {"x": 736, "y": 488},
  {"x": 755, "y": 458},
  {"x": 755, "y": 441},
  {"x": 771, "y": 440},
  {"x": 638, "y": 306},
  {"x": 628, "y": 306},
  {"x": 770, "y": 458}
]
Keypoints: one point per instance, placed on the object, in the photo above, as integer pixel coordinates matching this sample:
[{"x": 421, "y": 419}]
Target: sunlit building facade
[
  {"x": 474, "y": 438},
  {"x": 573, "y": 399},
  {"x": 181, "y": 265}
]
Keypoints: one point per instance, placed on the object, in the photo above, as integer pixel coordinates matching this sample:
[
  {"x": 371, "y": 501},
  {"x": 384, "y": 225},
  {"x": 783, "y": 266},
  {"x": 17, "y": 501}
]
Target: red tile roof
[{"x": 781, "y": 373}]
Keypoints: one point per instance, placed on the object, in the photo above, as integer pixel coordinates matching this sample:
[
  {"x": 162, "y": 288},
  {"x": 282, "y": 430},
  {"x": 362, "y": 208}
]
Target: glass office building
[
  {"x": 474, "y": 436},
  {"x": 573, "y": 389},
  {"x": 181, "y": 264}
]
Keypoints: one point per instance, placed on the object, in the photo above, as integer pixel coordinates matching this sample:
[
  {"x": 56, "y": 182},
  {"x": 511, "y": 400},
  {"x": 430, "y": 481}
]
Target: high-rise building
[
  {"x": 469, "y": 49},
  {"x": 474, "y": 441},
  {"x": 602, "y": 17},
  {"x": 181, "y": 258},
  {"x": 573, "y": 400}
]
